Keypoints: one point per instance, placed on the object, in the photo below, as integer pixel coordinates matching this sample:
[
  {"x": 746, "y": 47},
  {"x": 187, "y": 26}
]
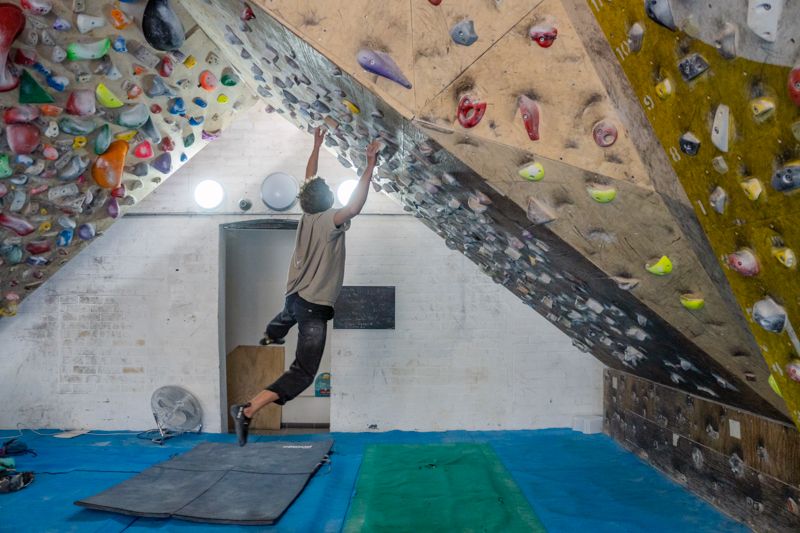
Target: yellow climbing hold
[
  {"x": 774, "y": 385},
  {"x": 532, "y": 172},
  {"x": 222, "y": 99},
  {"x": 45, "y": 226},
  {"x": 43, "y": 211},
  {"x": 106, "y": 97},
  {"x": 662, "y": 267},
  {"x": 126, "y": 135},
  {"x": 692, "y": 301},
  {"x": 79, "y": 142},
  {"x": 762, "y": 108},
  {"x": 602, "y": 194},
  {"x": 664, "y": 89},
  {"x": 190, "y": 62},
  {"x": 752, "y": 188},
  {"x": 351, "y": 106},
  {"x": 786, "y": 256}
]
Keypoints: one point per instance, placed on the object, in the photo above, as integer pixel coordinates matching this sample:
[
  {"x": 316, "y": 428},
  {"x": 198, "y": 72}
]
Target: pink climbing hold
[
  {"x": 12, "y": 22},
  {"x": 81, "y": 103},
  {"x": 794, "y": 85},
  {"x": 166, "y": 67},
  {"x": 604, "y": 133},
  {"x": 470, "y": 112},
  {"x": 744, "y": 262},
  {"x": 435, "y": 2},
  {"x": 22, "y": 138},
  {"x": 247, "y": 13},
  {"x": 21, "y": 114},
  {"x": 543, "y": 34},
  {"x": 143, "y": 150},
  {"x": 19, "y": 225},
  {"x": 529, "y": 110},
  {"x": 37, "y": 7},
  {"x": 119, "y": 192},
  {"x": 50, "y": 152}
]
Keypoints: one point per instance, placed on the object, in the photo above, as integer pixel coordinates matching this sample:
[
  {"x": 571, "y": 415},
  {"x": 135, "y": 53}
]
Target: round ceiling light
[
  {"x": 279, "y": 191},
  {"x": 345, "y": 191},
  {"x": 209, "y": 194}
]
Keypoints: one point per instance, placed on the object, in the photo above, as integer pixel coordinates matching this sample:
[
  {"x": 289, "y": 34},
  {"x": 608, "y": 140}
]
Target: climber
[{"x": 316, "y": 272}]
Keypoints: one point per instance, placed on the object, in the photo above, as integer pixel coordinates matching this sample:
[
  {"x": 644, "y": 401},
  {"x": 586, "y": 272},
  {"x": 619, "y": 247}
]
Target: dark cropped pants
[{"x": 312, "y": 322}]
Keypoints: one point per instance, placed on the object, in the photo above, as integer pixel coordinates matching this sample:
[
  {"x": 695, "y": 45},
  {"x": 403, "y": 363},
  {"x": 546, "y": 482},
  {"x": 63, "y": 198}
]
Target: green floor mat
[{"x": 446, "y": 487}]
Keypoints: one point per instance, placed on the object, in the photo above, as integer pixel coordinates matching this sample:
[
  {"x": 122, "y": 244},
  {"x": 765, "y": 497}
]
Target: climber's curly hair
[{"x": 315, "y": 196}]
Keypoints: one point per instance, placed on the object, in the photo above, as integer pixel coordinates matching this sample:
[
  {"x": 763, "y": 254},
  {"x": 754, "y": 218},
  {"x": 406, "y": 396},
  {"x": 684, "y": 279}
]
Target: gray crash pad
[{"x": 219, "y": 483}]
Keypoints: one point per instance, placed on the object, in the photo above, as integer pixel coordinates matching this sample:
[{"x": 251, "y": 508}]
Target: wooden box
[{"x": 249, "y": 370}]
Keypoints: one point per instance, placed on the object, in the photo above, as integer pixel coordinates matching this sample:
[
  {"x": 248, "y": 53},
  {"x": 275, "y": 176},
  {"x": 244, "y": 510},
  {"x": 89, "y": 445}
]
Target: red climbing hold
[
  {"x": 12, "y": 22},
  {"x": 21, "y": 114},
  {"x": 543, "y": 34},
  {"x": 470, "y": 112},
  {"x": 81, "y": 103},
  {"x": 247, "y": 13},
  {"x": 19, "y": 225},
  {"x": 167, "y": 144},
  {"x": 22, "y": 138},
  {"x": 529, "y": 110},
  {"x": 38, "y": 247},
  {"x": 794, "y": 85},
  {"x": 26, "y": 58},
  {"x": 435, "y": 2},
  {"x": 143, "y": 150},
  {"x": 166, "y": 67}
]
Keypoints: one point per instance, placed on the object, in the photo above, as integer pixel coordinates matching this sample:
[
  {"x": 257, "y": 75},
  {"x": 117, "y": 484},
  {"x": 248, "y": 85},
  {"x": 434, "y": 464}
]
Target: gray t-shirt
[{"x": 316, "y": 270}]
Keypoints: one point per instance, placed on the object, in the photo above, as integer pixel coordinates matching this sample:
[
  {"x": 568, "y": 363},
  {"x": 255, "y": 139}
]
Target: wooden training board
[
  {"x": 365, "y": 308},
  {"x": 249, "y": 370}
]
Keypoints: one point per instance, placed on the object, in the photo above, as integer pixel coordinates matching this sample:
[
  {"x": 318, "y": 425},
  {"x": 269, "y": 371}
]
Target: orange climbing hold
[{"x": 107, "y": 168}]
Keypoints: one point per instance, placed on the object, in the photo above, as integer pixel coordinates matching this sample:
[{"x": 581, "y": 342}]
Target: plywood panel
[{"x": 249, "y": 370}]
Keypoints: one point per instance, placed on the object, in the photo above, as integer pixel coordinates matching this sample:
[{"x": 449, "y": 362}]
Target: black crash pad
[{"x": 219, "y": 483}]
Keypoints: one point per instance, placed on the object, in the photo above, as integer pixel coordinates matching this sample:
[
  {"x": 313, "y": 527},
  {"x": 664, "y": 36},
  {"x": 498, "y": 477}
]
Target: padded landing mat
[
  {"x": 219, "y": 483},
  {"x": 446, "y": 487}
]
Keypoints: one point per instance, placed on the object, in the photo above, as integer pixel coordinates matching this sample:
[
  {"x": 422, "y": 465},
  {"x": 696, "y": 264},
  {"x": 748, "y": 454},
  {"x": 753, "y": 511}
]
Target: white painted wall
[{"x": 138, "y": 309}]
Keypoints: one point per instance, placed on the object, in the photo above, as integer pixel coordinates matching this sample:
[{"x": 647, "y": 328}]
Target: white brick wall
[{"x": 138, "y": 309}]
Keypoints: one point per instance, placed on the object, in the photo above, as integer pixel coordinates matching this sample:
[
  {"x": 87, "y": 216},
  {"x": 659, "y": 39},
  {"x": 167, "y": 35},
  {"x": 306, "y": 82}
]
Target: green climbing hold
[
  {"x": 229, "y": 80},
  {"x": 30, "y": 92},
  {"x": 188, "y": 140},
  {"x": 95, "y": 50},
  {"x": 5, "y": 166},
  {"x": 103, "y": 140}
]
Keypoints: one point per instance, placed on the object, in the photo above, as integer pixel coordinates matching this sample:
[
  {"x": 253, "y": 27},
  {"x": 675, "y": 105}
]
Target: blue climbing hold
[
  {"x": 177, "y": 106},
  {"x": 463, "y": 33},
  {"x": 382, "y": 64},
  {"x": 199, "y": 102}
]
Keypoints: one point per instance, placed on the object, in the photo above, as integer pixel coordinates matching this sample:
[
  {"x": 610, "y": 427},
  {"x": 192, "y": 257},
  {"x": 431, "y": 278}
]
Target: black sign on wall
[{"x": 365, "y": 308}]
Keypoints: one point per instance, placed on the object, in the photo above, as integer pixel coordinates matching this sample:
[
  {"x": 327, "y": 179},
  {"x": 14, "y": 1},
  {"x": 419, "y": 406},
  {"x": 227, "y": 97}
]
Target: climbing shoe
[
  {"x": 240, "y": 422},
  {"x": 266, "y": 341}
]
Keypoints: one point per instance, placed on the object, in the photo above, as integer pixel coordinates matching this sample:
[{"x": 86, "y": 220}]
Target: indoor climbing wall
[
  {"x": 101, "y": 101},
  {"x": 497, "y": 201},
  {"x": 720, "y": 86}
]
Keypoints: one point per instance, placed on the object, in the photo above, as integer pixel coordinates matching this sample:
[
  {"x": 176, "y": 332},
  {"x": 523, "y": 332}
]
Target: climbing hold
[
  {"x": 163, "y": 163},
  {"x": 52, "y": 129},
  {"x": 177, "y": 106},
  {"x": 126, "y": 135},
  {"x": 64, "y": 238},
  {"x": 119, "y": 45},
  {"x": 190, "y": 62},
  {"x": 49, "y": 152},
  {"x": 133, "y": 91},
  {"x": 106, "y": 97},
  {"x": 793, "y": 369},
  {"x": 435, "y": 2},
  {"x": 769, "y": 315},
  {"x": 82, "y": 51},
  {"x": 661, "y": 12},
  {"x": 381, "y": 64},
  {"x": 544, "y": 34},
  {"x": 36, "y": 7},
  {"x": 167, "y": 144},
  {"x": 692, "y": 301},
  {"x": 18, "y": 225},
  {"x": 538, "y": 212},
  {"x": 762, "y": 108},
  {"x": 86, "y": 231},
  {"x": 199, "y": 102},
  {"x": 689, "y": 143},
  {"x": 79, "y": 142},
  {"x": 158, "y": 88},
  {"x": 719, "y": 164},
  {"x": 744, "y": 262},
  {"x": 143, "y": 150},
  {"x": 21, "y": 114},
  {"x": 625, "y": 283},
  {"x": 222, "y": 99},
  {"x": 155, "y": 109},
  {"x": 229, "y": 80},
  {"x": 103, "y": 139},
  {"x": 532, "y": 172},
  {"x": 74, "y": 168},
  {"x": 529, "y": 110},
  {"x": 119, "y": 19},
  {"x": 785, "y": 256},
  {"x": 210, "y": 135},
  {"x": 635, "y": 37},
  {"x": 787, "y": 178},
  {"x": 208, "y": 80},
  {"x": 602, "y": 194},
  {"x": 81, "y": 103},
  {"x": 718, "y": 200},
  {"x": 692, "y": 66},
  {"x": 161, "y": 26},
  {"x": 247, "y": 13},
  {"x": 30, "y": 92},
  {"x": 794, "y": 85},
  {"x": 184, "y": 157},
  {"x": 87, "y": 23},
  {"x": 664, "y": 88},
  {"x": 720, "y": 130},
  {"x": 5, "y": 166},
  {"x": 463, "y": 33},
  {"x": 604, "y": 133},
  {"x": 107, "y": 169},
  {"x": 662, "y": 267},
  {"x": 188, "y": 140},
  {"x": 752, "y": 188},
  {"x": 12, "y": 22},
  {"x": 134, "y": 117},
  {"x": 470, "y": 112},
  {"x": 58, "y": 54},
  {"x": 726, "y": 41},
  {"x": 196, "y": 121},
  {"x": 22, "y": 138},
  {"x": 166, "y": 67},
  {"x": 763, "y": 17},
  {"x": 112, "y": 207}
]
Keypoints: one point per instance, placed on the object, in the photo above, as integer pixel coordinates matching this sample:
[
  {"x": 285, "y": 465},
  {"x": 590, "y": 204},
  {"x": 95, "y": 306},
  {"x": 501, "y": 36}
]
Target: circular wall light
[
  {"x": 345, "y": 191},
  {"x": 209, "y": 194},
  {"x": 279, "y": 191}
]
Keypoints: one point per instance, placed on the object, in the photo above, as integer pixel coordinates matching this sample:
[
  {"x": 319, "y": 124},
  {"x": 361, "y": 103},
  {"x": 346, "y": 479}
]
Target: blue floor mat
[{"x": 574, "y": 482}]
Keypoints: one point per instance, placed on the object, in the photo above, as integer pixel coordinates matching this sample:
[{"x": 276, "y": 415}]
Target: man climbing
[{"x": 316, "y": 272}]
